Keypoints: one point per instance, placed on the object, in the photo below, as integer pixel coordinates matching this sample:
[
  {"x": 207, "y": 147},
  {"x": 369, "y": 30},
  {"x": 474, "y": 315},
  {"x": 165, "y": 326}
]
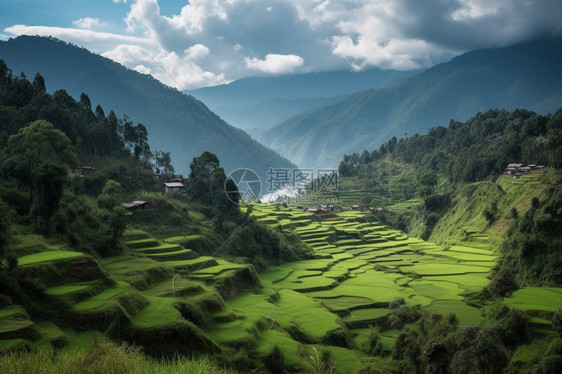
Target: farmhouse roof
[
  {"x": 173, "y": 185},
  {"x": 134, "y": 204}
]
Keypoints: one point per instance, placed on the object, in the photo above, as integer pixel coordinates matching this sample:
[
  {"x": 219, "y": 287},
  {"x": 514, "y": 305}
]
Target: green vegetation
[
  {"x": 274, "y": 288},
  {"x": 103, "y": 358},
  {"x": 48, "y": 256}
]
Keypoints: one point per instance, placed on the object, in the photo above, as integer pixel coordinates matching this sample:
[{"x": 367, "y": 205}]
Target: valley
[
  {"x": 427, "y": 256},
  {"x": 360, "y": 274}
]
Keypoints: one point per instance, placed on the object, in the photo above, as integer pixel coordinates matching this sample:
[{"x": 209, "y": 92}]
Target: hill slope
[
  {"x": 176, "y": 122},
  {"x": 525, "y": 75},
  {"x": 259, "y": 103}
]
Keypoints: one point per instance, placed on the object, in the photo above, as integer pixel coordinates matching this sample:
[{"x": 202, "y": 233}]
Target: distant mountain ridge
[
  {"x": 176, "y": 122},
  {"x": 526, "y": 76},
  {"x": 259, "y": 103}
]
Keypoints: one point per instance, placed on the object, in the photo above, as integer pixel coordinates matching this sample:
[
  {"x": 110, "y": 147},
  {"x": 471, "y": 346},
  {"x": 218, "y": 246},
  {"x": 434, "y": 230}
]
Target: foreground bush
[{"x": 104, "y": 358}]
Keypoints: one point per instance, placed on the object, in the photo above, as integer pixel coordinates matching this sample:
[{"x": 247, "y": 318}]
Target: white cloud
[
  {"x": 88, "y": 23},
  {"x": 94, "y": 40},
  {"x": 275, "y": 64},
  {"x": 473, "y": 9},
  {"x": 394, "y": 54},
  {"x": 177, "y": 70},
  {"x": 142, "y": 69},
  {"x": 197, "y": 51},
  {"x": 207, "y": 39}
]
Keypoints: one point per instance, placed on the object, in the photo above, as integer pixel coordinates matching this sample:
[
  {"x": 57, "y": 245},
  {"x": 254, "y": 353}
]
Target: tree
[
  {"x": 428, "y": 181},
  {"x": 100, "y": 115},
  {"x": 129, "y": 134},
  {"x": 163, "y": 162},
  {"x": 48, "y": 184},
  {"x": 5, "y": 213},
  {"x": 39, "y": 156},
  {"x": 109, "y": 197},
  {"x": 491, "y": 356},
  {"x": 141, "y": 147},
  {"x": 199, "y": 182},
  {"x": 365, "y": 201},
  {"x": 557, "y": 321},
  {"x": 85, "y": 102},
  {"x": 39, "y": 84},
  {"x": 502, "y": 282}
]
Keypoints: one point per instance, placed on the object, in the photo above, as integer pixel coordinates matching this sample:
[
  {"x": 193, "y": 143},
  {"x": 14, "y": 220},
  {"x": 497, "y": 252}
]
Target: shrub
[
  {"x": 557, "y": 321},
  {"x": 502, "y": 282},
  {"x": 274, "y": 362},
  {"x": 374, "y": 344}
]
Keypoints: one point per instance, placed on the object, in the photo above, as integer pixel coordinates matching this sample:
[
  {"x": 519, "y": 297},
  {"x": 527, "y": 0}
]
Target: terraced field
[
  {"x": 360, "y": 267},
  {"x": 169, "y": 293},
  {"x": 159, "y": 286}
]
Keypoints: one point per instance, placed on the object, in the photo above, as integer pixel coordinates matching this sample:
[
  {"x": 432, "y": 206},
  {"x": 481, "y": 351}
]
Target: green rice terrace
[{"x": 166, "y": 297}]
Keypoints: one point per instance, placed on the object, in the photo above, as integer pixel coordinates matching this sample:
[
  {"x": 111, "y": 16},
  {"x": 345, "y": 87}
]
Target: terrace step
[
  {"x": 15, "y": 324},
  {"x": 193, "y": 264},
  {"x": 181, "y": 254},
  {"x": 133, "y": 234},
  {"x": 100, "y": 299},
  {"x": 48, "y": 256},
  {"x": 160, "y": 248},
  {"x": 142, "y": 243},
  {"x": 66, "y": 295}
]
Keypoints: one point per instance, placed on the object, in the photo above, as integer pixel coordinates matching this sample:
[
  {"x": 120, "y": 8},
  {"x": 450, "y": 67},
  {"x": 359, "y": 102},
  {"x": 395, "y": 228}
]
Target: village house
[
  {"x": 518, "y": 169},
  {"x": 134, "y": 205},
  {"x": 173, "y": 187}
]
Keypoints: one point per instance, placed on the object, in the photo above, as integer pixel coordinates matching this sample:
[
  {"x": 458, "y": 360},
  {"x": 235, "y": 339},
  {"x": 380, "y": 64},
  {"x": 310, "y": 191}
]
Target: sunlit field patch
[
  {"x": 102, "y": 298},
  {"x": 66, "y": 289},
  {"x": 46, "y": 256},
  {"x": 535, "y": 299},
  {"x": 466, "y": 314}
]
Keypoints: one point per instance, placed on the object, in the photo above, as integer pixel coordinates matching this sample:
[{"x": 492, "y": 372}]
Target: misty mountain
[
  {"x": 522, "y": 76},
  {"x": 176, "y": 122},
  {"x": 259, "y": 103}
]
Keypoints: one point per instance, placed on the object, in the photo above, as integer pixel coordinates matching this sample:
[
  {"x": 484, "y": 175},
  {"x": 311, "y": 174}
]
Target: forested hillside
[
  {"x": 454, "y": 173},
  {"x": 180, "y": 124},
  {"x": 476, "y": 149},
  {"x": 520, "y": 76}
]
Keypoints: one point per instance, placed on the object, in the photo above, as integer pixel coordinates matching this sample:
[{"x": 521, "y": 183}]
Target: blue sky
[{"x": 207, "y": 42}]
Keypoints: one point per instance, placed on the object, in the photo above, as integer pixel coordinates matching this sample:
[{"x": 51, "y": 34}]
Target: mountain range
[
  {"x": 256, "y": 104},
  {"x": 526, "y": 75},
  {"x": 176, "y": 122},
  {"x": 520, "y": 76}
]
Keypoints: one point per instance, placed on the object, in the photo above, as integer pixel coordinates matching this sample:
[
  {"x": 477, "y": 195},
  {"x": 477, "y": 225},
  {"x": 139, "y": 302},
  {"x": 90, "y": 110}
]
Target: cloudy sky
[{"x": 191, "y": 44}]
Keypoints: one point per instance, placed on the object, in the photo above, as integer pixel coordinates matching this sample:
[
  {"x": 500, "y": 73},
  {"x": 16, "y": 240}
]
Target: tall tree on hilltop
[
  {"x": 199, "y": 182},
  {"x": 39, "y": 156}
]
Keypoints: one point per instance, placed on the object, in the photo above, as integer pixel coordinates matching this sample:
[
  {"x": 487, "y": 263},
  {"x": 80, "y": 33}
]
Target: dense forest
[{"x": 476, "y": 149}]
